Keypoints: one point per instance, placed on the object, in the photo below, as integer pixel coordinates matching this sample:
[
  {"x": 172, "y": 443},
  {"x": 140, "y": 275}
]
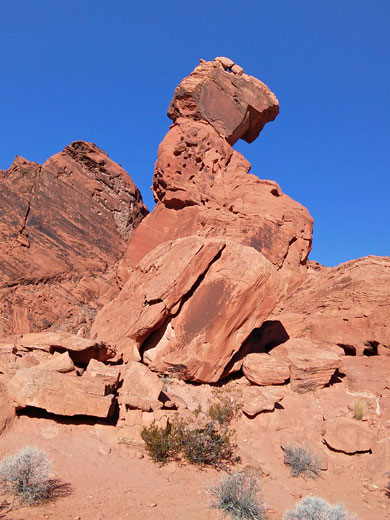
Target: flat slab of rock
[
  {"x": 60, "y": 394},
  {"x": 257, "y": 400},
  {"x": 349, "y": 436},
  {"x": 80, "y": 349},
  {"x": 263, "y": 369}
]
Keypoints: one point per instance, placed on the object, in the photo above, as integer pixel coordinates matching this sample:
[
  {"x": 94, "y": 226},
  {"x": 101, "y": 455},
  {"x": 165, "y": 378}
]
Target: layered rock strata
[{"x": 63, "y": 226}]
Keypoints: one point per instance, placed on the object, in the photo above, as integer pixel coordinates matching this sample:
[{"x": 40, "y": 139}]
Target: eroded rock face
[
  {"x": 348, "y": 305},
  {"x": 190, "y": 304},
  {"x": 263, "y": 369},
  {"x": 219, "y": 92},
  {"x": 202, "y": 186},
  {"x": 62, "y": 226},
  {"x": 253, "y": 237}
]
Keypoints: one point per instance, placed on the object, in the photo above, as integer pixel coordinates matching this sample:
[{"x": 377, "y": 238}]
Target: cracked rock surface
[{"x": 63, "y": 225}]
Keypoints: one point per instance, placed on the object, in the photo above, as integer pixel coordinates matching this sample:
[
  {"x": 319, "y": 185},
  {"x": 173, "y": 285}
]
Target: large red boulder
[
  {"x": 190, "y": 304},
  {"x": 63, "y": 225}
]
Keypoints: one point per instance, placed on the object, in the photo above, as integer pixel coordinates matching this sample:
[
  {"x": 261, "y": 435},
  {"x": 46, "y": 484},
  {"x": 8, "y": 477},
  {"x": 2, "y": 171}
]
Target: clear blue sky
[{"x": 104, "y": 71}]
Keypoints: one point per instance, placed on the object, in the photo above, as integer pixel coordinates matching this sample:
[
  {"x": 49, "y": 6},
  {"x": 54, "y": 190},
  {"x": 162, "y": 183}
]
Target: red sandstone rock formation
[
  {"x": 195, "y": 318},
  {"x": 347, "y": 305},
  {"x": 201, "y": 185},
  {"x": 63, "y": 225}
]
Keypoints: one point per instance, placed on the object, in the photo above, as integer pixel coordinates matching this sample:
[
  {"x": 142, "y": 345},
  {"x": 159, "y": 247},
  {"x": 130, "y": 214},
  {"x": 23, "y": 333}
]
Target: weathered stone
[
  {"x": 7, "y": 411},
  {"x": 97, "y": 369},
  {"x": 226, "y": 63},
  {"x": 257, "y": 400},
  {"x": 141, "y": 388},
  {"x": 58, "y": 363},
  {"x": 312, "y": 364},
  {"x": 80, "y": 349},
  {"x": 349, "y": 436},
  {"x": 222, "y": 291},
  {"x": 60, "y": 393},
  {"x": 236, "y": 105},
  {"x": 62, "y": 225},
  {"x": 348, "y": 305},
  {"x": 263, "y": 369}
]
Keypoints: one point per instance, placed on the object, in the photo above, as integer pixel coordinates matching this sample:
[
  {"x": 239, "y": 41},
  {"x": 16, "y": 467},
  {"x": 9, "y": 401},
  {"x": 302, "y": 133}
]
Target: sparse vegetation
[
  {"x": 313, "y": 508},
  {"x": 358, "y": 410},
  {"x": 161, "y": 443},
  {"x": 237, "y": 496},
  {"x": 301, "y": 461},
  {"x": 207, "y": 444},
  {"x": 25, "y": 475}
]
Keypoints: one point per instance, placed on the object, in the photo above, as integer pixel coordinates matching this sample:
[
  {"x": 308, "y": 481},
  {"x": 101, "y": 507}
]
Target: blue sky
[{"x": 105, "y": 71}]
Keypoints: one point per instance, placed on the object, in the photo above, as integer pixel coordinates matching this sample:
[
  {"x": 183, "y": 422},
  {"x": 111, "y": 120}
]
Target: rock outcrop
[
  {"x": 202, "y": 186},
  {"x": 221, "y": 247},
  {"x": 347, "y": 305},
  {"x": 63, "y": 226}
]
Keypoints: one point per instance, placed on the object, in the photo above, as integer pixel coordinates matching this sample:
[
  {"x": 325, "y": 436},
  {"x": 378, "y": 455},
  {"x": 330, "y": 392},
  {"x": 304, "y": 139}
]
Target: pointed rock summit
[{"x": 63, "y": 225}]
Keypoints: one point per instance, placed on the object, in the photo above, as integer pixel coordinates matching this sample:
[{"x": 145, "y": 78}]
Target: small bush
[
  {"x": 26, "y": 475},
  {"x": 301, "y": 462},
  {"x": 358, "y": 410},
  {"x": 161, "y": 443},
  {"x": 313, "y": 508},
  {"x": 237, "y": 496},
  {"x": 203, "y": 445},
  {"x": 222, "y": 410},
  {"x": 208, "y": 445}
]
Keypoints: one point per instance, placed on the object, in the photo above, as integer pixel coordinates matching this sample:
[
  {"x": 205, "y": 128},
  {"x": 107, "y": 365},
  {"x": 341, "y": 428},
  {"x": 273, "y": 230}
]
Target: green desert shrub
[
  {"x": 207, "y": 444},
  {"x": 313, "y": 508},
  {"x": 161, "y": 442},
  {"x": 301, "y": 461},
  {"x": 26, "y": 475},
  {"x": 237, "y": 496}
]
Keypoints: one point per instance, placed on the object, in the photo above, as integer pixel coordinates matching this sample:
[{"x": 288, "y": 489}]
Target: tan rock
[
  {"x": 226, "y": 63},
  {"x": 60, "y": 393},
  {"x": 58, "y": 363},
  {"x": 312, "y": 363},
  {"x": 97, "y": 369},
  {"x": 349, "y": 436},
  {"x": 81, "y": 350},
  {"x": 7, "y": 410},
  {"x": 141, "y": 388},
  {"x": 257, "y": 400},
  {"x": 236, "y": 69},
  {"x": 263, "y": 369}
]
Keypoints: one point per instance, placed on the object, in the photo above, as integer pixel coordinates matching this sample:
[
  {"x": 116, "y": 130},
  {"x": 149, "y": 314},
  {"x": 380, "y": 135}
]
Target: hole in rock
[
  {"x": 371, "y": 348},
  {"x": 349, "y": 350},
  {"x": 260, "y": 340},
  {"x": 336, "y": 378}
]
